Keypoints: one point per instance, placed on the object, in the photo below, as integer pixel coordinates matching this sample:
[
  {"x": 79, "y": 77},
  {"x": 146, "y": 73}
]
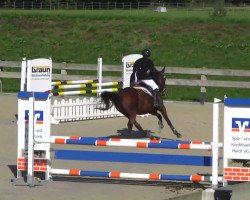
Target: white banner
[
  {"x": 237, "y": 133},
  {"x": 39, "y": 73}
]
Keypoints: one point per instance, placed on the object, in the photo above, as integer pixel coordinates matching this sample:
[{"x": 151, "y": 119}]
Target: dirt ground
[{"x": 192, "y": 120}]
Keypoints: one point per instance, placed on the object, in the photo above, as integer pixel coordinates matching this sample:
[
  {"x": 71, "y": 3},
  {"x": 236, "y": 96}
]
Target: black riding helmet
[{"x": 146, "y": 53}]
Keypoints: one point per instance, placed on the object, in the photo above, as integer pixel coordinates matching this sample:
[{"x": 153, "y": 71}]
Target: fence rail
[
  {"x": 105, "y": 5},
  {"x": 202, "y": 82}
]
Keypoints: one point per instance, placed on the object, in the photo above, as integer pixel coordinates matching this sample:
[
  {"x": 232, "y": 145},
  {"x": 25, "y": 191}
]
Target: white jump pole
[{"x": 99, "y": 73}]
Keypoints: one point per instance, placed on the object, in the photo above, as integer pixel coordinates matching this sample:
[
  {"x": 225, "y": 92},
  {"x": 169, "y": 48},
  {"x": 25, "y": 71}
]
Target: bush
[{"x": 219, "y": 10}]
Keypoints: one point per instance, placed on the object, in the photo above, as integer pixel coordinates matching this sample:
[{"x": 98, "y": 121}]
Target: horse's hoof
[
  {"x": 161, "y": 126},
  {"x": 178, "y": 135},
  {"x": 154, "y": 138}
]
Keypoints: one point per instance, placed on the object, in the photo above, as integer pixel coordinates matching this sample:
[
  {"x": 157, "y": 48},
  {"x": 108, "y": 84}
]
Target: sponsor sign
[
  {"x": 39, "y": 73},
  {"x": 237, "y": 133}
]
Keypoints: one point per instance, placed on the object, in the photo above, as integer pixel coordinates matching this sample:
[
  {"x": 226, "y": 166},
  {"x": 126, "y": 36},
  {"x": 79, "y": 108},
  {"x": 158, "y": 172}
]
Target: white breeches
[{"x": 149, "y": 82}]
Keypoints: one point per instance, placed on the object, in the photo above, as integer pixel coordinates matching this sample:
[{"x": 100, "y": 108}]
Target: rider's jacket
[{"x": 143, "y": 69}]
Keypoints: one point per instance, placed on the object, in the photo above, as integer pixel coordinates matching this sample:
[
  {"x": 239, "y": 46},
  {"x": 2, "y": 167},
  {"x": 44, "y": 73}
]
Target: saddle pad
[{"x": 143, "y": 89}]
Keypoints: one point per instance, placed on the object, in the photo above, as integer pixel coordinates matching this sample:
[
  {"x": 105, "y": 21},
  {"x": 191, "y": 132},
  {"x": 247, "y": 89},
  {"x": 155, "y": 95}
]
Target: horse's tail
[{"x": 109, "y": 98}]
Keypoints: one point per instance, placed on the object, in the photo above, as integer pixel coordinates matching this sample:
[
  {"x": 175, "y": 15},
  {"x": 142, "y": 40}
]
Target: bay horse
[{"x": 132, "y": 102}]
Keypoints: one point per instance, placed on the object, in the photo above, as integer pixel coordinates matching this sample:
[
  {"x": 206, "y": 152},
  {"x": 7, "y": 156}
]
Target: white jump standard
[{"x": 36, "y": 76}]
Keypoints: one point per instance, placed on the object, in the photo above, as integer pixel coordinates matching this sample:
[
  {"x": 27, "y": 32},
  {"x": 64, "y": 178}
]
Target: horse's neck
[{"x": 161, "y": 86}]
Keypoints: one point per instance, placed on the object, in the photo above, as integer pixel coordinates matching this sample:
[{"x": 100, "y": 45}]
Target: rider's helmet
[{"x": 146, "y": 53}]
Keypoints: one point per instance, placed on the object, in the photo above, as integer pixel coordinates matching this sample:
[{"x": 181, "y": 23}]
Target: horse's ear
[{"x": 163, "y": 70}]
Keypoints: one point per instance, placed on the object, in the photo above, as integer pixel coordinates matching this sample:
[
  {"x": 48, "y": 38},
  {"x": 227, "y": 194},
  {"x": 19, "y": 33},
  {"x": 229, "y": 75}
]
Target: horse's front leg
[
  {"x": 161, "y": 126},
  {"x": 155, "y": 113},
  {"x": 165, "y": 115}
]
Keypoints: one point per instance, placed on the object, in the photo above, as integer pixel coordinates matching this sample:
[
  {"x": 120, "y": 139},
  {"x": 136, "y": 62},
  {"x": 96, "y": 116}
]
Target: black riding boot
[{"x": 155, "y": 96}]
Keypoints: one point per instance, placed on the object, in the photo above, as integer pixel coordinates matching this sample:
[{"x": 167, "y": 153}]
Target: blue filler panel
[{"x": 132, "y": 157}]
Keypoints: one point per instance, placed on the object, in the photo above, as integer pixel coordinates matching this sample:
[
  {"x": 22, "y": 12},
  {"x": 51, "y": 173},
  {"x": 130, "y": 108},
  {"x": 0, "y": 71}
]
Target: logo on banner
[
  {"x": 129, "y": 64},
  {"x": 38, "y": 116},
  {"x": 40, "y": 71},
  {"x": 241, "y": 125}
]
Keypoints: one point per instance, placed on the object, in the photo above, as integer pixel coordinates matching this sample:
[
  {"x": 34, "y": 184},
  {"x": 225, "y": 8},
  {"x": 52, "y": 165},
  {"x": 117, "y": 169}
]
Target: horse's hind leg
[
  {"x": 145, "y": 133},
  {"x": 131, "y": 122},
  {"x": 138, "y": 126},
  {"x": 130, "y": 126},
  {"x": 165, "y": 115}
]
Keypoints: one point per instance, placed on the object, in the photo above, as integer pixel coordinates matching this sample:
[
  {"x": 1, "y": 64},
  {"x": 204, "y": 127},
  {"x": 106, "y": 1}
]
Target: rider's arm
[{"x": 152, "y": 69}]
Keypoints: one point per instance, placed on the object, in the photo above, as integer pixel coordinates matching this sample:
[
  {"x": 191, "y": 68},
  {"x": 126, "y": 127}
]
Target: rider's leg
[{"x": 156, "y": 94}]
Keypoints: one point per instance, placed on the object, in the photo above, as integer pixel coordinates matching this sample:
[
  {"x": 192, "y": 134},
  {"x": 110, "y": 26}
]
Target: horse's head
[{"x": 160, "y": 79}]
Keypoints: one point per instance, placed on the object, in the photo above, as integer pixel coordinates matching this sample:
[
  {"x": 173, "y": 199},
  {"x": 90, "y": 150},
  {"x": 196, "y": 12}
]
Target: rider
[{"x": 143, "y": 71}]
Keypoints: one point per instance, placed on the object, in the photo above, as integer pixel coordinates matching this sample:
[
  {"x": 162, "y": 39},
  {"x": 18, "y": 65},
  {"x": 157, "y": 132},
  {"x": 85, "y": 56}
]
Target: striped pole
[
  {"x": 95, "y": 91},
  {"x": 62, "y": 87},
  {"x": 116, "y": 174},
  {"x": 166, "y": 144},
  {"x": 68, "y": 82}
]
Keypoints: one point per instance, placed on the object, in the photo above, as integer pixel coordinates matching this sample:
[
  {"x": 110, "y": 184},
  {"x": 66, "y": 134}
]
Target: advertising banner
[
  {"x": 39, "y": 73},
  {"x": 237, "y": 132}
]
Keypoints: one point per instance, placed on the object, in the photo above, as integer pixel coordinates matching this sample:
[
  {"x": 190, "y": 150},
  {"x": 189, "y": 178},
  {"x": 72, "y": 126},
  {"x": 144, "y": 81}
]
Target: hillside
[{"x": 176, "y": 38}]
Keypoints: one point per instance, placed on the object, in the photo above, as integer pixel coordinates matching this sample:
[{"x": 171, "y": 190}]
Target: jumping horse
[{"x": 132, "y": 101}]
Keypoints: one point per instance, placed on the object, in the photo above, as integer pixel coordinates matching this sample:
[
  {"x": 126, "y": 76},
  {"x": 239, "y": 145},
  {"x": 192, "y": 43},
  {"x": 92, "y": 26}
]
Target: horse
[{"x": 132, "y": 101}]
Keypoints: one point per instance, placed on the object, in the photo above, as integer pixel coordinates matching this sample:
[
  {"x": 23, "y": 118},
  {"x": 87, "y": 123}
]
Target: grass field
[{"x": 178, "y": 38}]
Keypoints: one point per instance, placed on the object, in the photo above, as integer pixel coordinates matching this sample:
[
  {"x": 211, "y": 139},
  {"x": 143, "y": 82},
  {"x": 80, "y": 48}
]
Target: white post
[
  {"x": 48, "y": 134},
  {"x": 215, "y": 148},
  {"x": 225, "y": 156},
  {"x": 99, "y": 73},
  {"x": 208, "y": 194},
  {"x": 23, "y": 74},
  {"x": 30, "y": 172}
]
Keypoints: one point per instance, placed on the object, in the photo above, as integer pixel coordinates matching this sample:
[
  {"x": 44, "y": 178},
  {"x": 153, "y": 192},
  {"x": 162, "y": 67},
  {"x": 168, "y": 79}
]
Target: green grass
[{"x": 178, "y": 38}]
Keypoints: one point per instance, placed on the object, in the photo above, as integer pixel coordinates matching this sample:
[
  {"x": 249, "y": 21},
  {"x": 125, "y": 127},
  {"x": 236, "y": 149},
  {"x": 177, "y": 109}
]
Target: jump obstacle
[
  {"x": 72, "y": 108},
  {"x": 33, "y": 105},
  {"x": 43, "y": 164},
  {"x": 34, "y": 123}
]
